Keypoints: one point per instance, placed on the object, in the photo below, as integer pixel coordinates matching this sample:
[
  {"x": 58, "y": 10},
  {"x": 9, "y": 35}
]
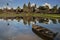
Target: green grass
[{"x": 3, "y": 15}]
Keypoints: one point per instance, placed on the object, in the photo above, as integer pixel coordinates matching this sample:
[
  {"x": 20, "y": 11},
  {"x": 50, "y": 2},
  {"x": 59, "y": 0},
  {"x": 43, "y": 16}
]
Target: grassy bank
[{"x": 4, "y": 15}]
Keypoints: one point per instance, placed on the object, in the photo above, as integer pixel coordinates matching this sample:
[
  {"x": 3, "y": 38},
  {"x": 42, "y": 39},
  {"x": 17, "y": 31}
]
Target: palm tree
[{"x": 7, "y": 4}]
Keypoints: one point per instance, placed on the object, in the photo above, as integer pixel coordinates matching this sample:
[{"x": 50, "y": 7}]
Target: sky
[{"x": 15, "y": 3}]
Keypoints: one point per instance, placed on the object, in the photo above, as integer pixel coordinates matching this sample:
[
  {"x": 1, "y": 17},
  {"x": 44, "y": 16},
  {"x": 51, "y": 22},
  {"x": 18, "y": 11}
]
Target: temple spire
[{"x": 29, "y": 5}]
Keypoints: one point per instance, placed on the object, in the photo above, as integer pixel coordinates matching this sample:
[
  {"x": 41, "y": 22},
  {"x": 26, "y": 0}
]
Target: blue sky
[{"x": 15, "y": 3}]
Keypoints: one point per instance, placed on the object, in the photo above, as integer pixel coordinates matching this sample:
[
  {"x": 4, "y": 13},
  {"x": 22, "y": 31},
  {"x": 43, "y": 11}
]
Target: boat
[{"x": 43, "y": 32}]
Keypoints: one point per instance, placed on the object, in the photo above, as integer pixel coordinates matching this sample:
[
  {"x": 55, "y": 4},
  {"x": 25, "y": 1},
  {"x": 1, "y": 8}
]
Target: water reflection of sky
[
  {"x": 16, "y": 30},
  {"x": 20, "y": 31}
]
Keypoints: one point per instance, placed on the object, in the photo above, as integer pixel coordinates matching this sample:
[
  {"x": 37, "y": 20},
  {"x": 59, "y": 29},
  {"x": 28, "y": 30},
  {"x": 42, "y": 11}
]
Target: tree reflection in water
[
  {"x": 59, "y": 20},
  {"x": 28, "y": 20},
  {"x": 54, "y": 21}
]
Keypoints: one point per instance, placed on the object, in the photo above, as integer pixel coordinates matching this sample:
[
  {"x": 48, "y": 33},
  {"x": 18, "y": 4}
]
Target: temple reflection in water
[
  {"x": 24, "y": 25},
  {"x": 28, "y": 20}
]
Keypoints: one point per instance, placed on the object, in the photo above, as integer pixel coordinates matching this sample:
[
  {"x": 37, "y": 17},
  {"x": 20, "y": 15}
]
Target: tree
[
  {"x": 59, "y": 10},
  {"x": 54, "y": 9},
  {"x": 35, "y": 5},
  {"x": 34, "y": 8},
  {"x": 6, "y": 9},
  {"x": 1, "y": 10},
  {"x": 41, "y": 8},
  {"x": 7, "y": 4},
  {"x": 47, "y": 7},
  {"x": 44, "y": 9}
]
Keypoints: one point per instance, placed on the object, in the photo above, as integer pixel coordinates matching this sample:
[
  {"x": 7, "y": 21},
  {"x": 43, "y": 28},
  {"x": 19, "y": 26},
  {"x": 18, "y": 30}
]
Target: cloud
[
  {"x": 48, "y": 5},
  {"x": 7, "y": 7},
  {"x": 33, "y": 4},
  {"x": 0, "y": 7}
]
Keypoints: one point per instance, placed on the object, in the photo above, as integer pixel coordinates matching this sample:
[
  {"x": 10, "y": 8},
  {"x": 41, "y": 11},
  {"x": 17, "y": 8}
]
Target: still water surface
[{"x": 22, "y": 29}]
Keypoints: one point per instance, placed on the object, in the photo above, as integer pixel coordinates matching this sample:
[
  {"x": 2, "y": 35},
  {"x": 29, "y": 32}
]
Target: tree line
[{"x": 34, "y": 9}]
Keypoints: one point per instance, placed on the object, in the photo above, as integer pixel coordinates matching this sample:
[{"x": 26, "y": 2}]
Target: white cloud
[
  {"x": 33, "y": 4},
  {"x": 0, "y": 7},
  {"x": 7, "y": 7},
  {"x": 48, "y": 5},
  {"x": 37, "y": 6}
]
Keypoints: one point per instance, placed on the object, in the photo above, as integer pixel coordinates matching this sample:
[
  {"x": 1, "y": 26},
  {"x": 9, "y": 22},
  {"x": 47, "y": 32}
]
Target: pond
[{"x": 21, "y": 29}]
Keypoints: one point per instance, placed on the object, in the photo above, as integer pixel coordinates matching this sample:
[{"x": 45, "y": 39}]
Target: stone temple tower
[{"x": 29, "y": 5}]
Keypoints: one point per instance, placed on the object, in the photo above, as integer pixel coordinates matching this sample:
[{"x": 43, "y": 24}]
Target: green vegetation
[
  {"x": 4, "y": 15},
  {"x": 33, "y": 11}
]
